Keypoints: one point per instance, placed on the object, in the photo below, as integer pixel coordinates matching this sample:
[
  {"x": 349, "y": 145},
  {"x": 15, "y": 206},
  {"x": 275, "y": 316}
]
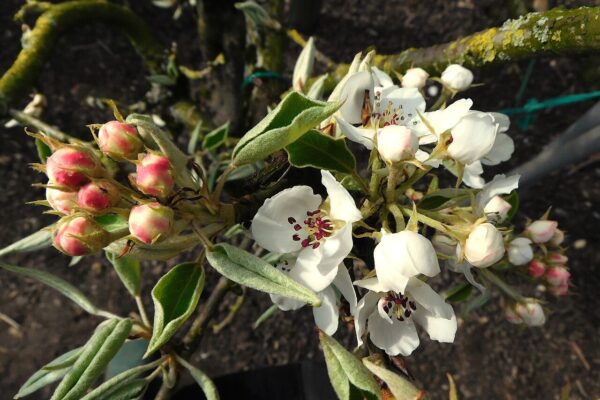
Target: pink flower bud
[
  {"x": 531, "y": 312},
  {"x": 396, "y": 143},
  {"x": 536, "y": 269},
  {"x": 511, "y": 316},
  {"x": 119, "y": 140},
  {"x": 149, "y": 222},
  {"x": 541, "y": 231},
  {"x": 561, "y": 290},
  {"x": 154, "y": 176},
  {"x": 484, "y": 246},
  {"x": 558, "y": 276},
  {"x": 72, "y": 167},
  {"x": 497, "y": 209},
  {"x": 97, "y": 196},
  {"x": 61, "y": 201},
  {"x": 558, "y": 237},
  {"x": 556, "y": 258},
  {"x": 80, "y": 236}
]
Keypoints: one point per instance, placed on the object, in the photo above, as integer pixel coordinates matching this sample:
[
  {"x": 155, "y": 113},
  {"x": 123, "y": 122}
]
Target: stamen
[{"x": 317, "y": 226}]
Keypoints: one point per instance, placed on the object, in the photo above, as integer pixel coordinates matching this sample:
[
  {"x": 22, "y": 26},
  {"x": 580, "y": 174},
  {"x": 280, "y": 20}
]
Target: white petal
[
  {"x": 343, "y": 283},
  {"x": 446, "y": 119},
  {"x": 363, "y": 136},
  {"x": 335, "y": 94},
  {"x": 382, "y": 313},
  {"x": 353, "y": 95},
  {"x": 327, "y": 315},
  {"x": 423, "y": 157},
  {"x": 317, "y": 268},
  {"x": 342, "y": 204},
  {"x": 473, "y": 137},
  {"x": 270, "y": 226},
  {"x": 365, "y": 307},
  {"x": 382, "y": 79},
  {"x": 502, "y": 120},
  {"x": 472, "y": 175},
  {"x": 438, "y": 328},
  {"x": 395, "y": 338},
  {"x": 427, "y": 298},
  {"x": 285, "y": 303},
  {"x": 497, "y": 186},
  {"x": 501, "y": 151},
  {"x": 405, "y": 103},
  {"x": 465, "y": 269},
  {"x": 370, "y": 283}
]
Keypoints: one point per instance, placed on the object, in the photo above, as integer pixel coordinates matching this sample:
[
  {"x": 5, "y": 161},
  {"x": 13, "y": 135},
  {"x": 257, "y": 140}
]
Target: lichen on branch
[{"x": 57, "y": 18}]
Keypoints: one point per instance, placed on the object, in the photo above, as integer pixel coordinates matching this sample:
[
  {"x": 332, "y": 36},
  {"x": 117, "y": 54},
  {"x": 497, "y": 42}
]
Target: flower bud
[
  {"x": 119, "y": 140},
  {"x": 473, "y": 137},
  {"x": 511, "y": 316},
  {"x": 457, "y": 77},
  {"x": 97, "y": 196},
  {"x": 558, "y": 276},
  {"x": 396, "y": 143},
  {"x": 484, "y": 246},
  {"x": 72, "y": 167},
  {"x": 80, "y": 236},
  {"x": 520, "y": 251},
  {"x": 556, "y": 258},
  {"x": 414, "y": 78},
  {"x": 531, "y": 313},
  {"x": 541, "y": 231},
  {"x": 304, "y": 65},
  {"x": 149, "y": 222},
  {"x": 497, "y": 209},
  {"x": 558, "y": 237},
  {"x": 60, "y": 200},
  {"x": 536, "y": 268},
  {"x": 444, "y": 244},
  {"x": 154, "y": 176},
  {"x": 561, "y": 290}
]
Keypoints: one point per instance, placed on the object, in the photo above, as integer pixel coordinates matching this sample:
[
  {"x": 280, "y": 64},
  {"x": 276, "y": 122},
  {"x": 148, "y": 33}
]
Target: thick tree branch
[{"x": 57, "y": 18}]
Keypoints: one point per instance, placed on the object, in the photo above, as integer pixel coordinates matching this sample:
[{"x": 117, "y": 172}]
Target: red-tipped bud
[
  {"x": 541, "y": 231},
  {"x": 72, "y": 167},
  {"x": 80, "y": 236},
  {"x": 154, "y": 176},
  {"x": 61, "y": 201},
  {"x": 557, "y": 258},
  {"x": 97, "y": 196},
  {"x": 561, "y": 290},
  {"x": 149, "y": 222},
  {"x": 558, "y": 276},
  {"x": 536, "y": 269},
  {"x": 119, "y": 140}
]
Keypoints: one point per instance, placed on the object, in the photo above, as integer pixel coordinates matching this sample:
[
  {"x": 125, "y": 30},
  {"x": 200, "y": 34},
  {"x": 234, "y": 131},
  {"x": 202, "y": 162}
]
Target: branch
[{"x": 57, "y": 18}]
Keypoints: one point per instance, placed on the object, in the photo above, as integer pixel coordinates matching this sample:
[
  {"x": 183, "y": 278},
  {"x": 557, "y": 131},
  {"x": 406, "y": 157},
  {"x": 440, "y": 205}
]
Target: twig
[
  {"x": 142, "y": 310},
  {"x": 33, "y": 122},
  {"x": 233, "y": 310},
  {"x": 10, "y": 321}
]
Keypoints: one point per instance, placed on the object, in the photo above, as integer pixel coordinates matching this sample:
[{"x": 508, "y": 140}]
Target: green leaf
[
  {"x": 160, "y": 79},
  {"x": 133, "y": 390},
  {"x": 56, "y": 283},
  {"x": 514, "y": 201},
  {"x": 112, "y": 222},
  {"x": 130, "y": 355},
  {"x": 205, "y": 383},
  {"x": 191, "y": 148},
  {"x": 401, "y": 388},
  {"x": 216, "y": 137},
  {"x": 94, "y": 357},
  {"x": 458, "y": 294},
  {"x": 49, "y": 373},
  {"x": 163, "y": 250},
  {"x": 442, "y": 198},
  {"x": 248, "y": 270},
  {"x": 346, "y": 371},
  {"x": 129, "y": 271},
  {"x": 314, "y": 149},
  {"x": 175, "y": 297},
  {"x": 43, "y": 150},
  {"x": 34, "y": 242},
  {"x": 291, "y": 119}
]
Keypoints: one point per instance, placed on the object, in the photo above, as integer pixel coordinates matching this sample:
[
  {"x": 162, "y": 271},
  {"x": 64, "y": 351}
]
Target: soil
[{"x": 490, "y": 359}]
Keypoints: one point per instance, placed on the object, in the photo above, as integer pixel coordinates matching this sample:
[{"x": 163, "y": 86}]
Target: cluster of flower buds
[{"x": 81, "y": 189}]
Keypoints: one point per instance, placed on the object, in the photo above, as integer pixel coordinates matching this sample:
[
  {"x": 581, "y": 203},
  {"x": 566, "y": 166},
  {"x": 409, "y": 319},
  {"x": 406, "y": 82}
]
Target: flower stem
[
  {"x": 435, "y": 224},
  {"x": 142, "y": 310},
  {"x": 496, "y": 280}
]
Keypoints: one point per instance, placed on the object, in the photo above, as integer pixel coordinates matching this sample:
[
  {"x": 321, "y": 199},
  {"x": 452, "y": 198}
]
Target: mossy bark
[{"x": 57, "y": 18}]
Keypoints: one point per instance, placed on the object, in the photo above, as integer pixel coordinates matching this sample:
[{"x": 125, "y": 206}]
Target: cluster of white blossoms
[{"x": 466, "y": 232}]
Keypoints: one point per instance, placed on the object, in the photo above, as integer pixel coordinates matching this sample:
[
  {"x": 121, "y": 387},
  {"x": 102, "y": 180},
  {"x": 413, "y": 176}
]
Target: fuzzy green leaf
[
  {"x": 401, "y": 388},
  {"x": 36, "y": 241},
  {"x": 314, "y": 149},
  {"x": 175, "y": 298},
  {"x": 129, "y": 271},
  {"x": 216, "y": 137},
  {"x": 205, "y": 383},
  {"x": 43, "y": 150},
  {"x": 441, "y": 198},
  {"x": 346, "y": 371},
  {"x": 291, "y": 119},
  {"x": 514, "y": 201},
  {"x": 248, "y": 270},
  {"x": 112, "y": 222},
  {"x": 459, "y": 293}
]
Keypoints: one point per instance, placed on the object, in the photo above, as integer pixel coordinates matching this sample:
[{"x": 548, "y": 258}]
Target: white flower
[
  {"x": 304, "y": 65},
  {"x": 414, "y": 78},
  {"x": 541, "y": 231},
  {"x": 489, "y": 202},
  {"x": 457, "y": 77},
  {"x": 396, "y": 143},
  {"x": 473, "y": 137},
  {"x": 390, "y": 316},
  {"x": 327, "y": 315},
  {"x": 297, "y": 220},
  {"x": 497, "y": 209},
  {"x": 484, "y": 246},
  {"x": 520, "y": 251},
  {"x": 440, "y": 121},
  {"x": 400, "y": 256}
]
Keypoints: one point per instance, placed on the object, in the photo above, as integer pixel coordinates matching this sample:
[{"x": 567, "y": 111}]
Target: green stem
[
  {"x": 414, "y": 178},
  {"x": 496, "y": 280},
  {"x": 392, "y": 181},
  {"x": 426, "y": 220}
]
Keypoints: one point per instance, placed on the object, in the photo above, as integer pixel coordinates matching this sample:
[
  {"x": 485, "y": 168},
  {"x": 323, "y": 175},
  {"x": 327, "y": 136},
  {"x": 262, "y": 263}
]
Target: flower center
[
  {"x": 317, "y": 227},
  {"x": 397, "y": 305}
]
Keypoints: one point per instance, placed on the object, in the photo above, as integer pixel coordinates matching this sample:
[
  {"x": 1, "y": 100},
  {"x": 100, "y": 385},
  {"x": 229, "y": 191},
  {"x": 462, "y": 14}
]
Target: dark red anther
[
  {"x": 292, "y": 220},
  {"x": 316, "y": 245},
  {"x": 296, "y": 237},
  {"x": 297, "y": 227},
  {"x": 412, "y": 305},
  {"x": 305, "y": 243},
  {"x": 407, "y": 313}
]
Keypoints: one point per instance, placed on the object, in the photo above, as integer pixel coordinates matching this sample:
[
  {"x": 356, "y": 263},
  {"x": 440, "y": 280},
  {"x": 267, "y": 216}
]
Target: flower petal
[
  {"x": 501, "y": 184},
  {"x": 473, "y": 137},
  {"x": 363, "y": 136},
  {"x": 395, "y": 338},
  {"x": 382, "y": 79},
  {"x": 353, "y": 94},
  {"x": 342, "y": 204},
  {"x": 427, "y": 298},
  {"x": 438, "y": 328},
  {"x": 472, "y": 175},
  {"x": 343, "y": 283},
  {"x": 404, "y": 106},
  {"x": 270, "y": 226},
  {"x": 327, "y": 315},
  {"x": 370, "y": 283},
  {"x": 443, "y": 120},
  {"x": 501, "y": 151},
  {"x": 285, "y": 303},
  {"x": 365, "y": 307}
]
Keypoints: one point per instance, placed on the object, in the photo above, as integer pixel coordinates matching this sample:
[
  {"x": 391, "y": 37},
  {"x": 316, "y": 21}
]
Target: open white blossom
[
  {"x": 296, "y": 220},
  {"x": 327, "y": 315},
  {"x": 390, "y": 316}
]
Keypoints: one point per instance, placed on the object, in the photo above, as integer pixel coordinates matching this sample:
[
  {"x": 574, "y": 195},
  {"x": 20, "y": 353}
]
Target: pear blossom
[
  {"x": 536, "y": 268},
  {"x": 473, "y": 137},
  {"x": 541, "y": 231},
  {"x": 558, "y": 276},
  {"x": 298, "y": 221},
  {"x": 327, "y": 315},
  {"x": 150, "y": 222},
  {"x": 497, "y": 209},
  {"x": 484, "y": 246},
  {"x": 457, "y": 77},
  {"x": 520, "y": 251},
  {"x": 414, "y": 78},
  {"x": 72, "y": 166},
  {"x": 401, "y": 256},
  {"x": 488, "y": 200},
  {"x": 119, "y": 140},
  {"x": 79, "y": 236},
  {"x": 390, "y": 316},
  {"x": 529, "y": 312},
  {"x": 396, "y": 143},
  {"x": 154, "y": 175}
]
